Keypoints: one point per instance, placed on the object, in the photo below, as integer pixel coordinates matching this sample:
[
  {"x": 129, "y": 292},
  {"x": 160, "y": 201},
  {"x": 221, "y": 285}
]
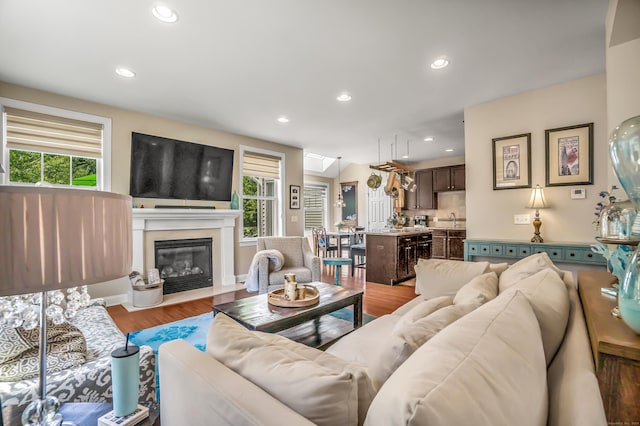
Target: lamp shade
[
  {"x": 58, "y": 238},
  {"x": 537, "y": 200}
]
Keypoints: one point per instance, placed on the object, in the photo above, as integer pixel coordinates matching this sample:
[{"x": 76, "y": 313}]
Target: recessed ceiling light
[
  {"x": 125, "y": 72},
  {"x": 344, "y": 97},
  {"x": 283, "y": 119},
  {"x": 428, "y": 139},
  {"x": 449, "y": 150},
  {"x": 164, "y": 14},
  {"x": 439, "y": 63}
]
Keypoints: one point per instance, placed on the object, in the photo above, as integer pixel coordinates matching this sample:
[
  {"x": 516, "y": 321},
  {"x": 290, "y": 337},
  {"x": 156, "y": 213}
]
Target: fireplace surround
[{"x": 150, "y": 225}]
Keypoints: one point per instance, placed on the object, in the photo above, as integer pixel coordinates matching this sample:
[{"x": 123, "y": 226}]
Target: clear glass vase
[{"x": 624, "y": 150}]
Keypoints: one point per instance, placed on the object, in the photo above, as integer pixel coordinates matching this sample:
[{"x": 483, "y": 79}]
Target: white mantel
[{"x": 149, "y": 219}]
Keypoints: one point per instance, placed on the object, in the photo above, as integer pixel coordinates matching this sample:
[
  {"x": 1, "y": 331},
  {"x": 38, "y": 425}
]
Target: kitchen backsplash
[{"x": 448, "y": 202}]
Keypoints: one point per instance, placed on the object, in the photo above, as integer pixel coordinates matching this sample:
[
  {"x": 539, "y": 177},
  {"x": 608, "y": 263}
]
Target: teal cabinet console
[{"x": 558, "y": 252}]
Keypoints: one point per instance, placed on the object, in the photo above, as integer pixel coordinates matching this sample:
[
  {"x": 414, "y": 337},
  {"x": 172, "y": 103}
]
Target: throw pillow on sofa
[
  {"x": 487, "y": 368},
  {"x": 66, "y": 348},
  {"x": 423, "y": 309},
  {"x": 436, "y": 277},
  {"x": 524, "y": 268},
  {"x": 366, "y": 389},
  {"x": 478, "y": 291},
  {"x": 415, "y": 334},
  {"x": 549, "y": 297},
  {"x": 325, "y": 396}
]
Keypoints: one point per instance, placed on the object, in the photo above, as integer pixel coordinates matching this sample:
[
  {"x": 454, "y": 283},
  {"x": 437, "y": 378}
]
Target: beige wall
[
  {"x": 623, "y": 68},
  {"x": 126, "y": 121},
  {"x": 490, "y": 213}
]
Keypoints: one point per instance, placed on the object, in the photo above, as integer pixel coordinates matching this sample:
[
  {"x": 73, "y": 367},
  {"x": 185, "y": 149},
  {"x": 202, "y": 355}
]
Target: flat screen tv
[{"x": 168, "y": 168}]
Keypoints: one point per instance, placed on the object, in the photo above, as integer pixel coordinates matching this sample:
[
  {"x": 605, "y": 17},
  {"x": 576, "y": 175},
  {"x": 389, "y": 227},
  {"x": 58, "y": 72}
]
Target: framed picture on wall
[
  {"x": 512, "y": 162},
  {"x": 294, "y": 196},
  {"x": 569, "y": 155}
]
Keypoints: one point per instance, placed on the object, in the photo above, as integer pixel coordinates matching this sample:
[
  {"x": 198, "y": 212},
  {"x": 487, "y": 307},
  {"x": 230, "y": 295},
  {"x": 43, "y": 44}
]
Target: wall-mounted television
[{"x": 173, "y": 169}]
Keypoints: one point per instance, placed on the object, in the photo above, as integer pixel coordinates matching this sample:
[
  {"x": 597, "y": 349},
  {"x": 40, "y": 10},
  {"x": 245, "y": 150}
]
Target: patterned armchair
[
  {"x": 298, "y": 259},
  {"x": 91, "y": 381}
]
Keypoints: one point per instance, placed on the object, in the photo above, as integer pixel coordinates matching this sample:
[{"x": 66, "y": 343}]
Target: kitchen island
[{"x": 392, "y": 255}]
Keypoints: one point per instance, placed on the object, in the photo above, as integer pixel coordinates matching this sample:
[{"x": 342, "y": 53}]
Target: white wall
[{"x": 490, "y": 212}]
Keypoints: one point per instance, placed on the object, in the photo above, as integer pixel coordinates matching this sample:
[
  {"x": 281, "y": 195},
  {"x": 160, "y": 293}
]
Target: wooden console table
[{"x": 616, "y": 349}]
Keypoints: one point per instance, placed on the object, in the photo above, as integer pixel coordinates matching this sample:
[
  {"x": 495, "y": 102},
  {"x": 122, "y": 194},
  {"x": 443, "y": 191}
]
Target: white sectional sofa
[{"x": 482, "y": 344}]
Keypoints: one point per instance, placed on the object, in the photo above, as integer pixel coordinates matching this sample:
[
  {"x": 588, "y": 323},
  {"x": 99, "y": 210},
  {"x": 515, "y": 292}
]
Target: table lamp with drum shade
[
  {"x": 54, "y": 239},
  {"x": 537, "y": 201}
]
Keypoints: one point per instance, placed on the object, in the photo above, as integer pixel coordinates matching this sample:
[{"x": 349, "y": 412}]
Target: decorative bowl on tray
[{"x": 307, "y": 295}]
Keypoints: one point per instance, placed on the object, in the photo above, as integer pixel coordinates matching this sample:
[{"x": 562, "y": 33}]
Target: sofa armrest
[
  {"x": 205, "y": 391},
  {"x": 263, "y": 274},
  {"x": 574, "y": 394}
]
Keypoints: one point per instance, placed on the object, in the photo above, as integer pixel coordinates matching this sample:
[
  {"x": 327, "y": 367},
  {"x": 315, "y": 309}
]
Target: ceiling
[{"x": 239, "y": 65}]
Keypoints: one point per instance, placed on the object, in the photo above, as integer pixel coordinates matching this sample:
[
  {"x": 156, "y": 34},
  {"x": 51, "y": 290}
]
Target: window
[
  {"x": 60, "y": 147},
  {"x": 261, "y": 193},
  {"x": 315, "y": 205}
]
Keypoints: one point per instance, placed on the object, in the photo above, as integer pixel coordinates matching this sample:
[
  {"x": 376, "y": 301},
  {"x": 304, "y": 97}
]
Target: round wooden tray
[{"x": 311, "y": 297}]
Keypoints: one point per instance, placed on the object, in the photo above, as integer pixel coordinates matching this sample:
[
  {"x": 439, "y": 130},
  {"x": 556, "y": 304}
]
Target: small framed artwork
[
  {"x": 512, "y": 162},
  {"x": 569, "y": 155},
  {"x": 294, "y": 196},
  {"x": 350, "y": 197}
]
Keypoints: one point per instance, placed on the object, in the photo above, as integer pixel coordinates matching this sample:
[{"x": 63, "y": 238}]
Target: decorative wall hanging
[
  {"x": 512, "y": 162},
  {"x": 569, "y": 155}
]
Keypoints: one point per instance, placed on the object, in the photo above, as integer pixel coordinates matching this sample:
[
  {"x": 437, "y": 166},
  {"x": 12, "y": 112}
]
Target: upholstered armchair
[{"x": 298, "y": 259}]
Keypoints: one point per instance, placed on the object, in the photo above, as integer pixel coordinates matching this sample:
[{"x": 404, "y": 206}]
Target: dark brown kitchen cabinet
[
  {"x": 450, "y": 178},
  {"x": 448, "y": 244},
  {"x": 391, "y": 257},
  {"x": 423, "y": 197}
]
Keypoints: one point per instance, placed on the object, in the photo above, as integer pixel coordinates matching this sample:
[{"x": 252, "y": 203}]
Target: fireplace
[{"x": 184, "y": 264}]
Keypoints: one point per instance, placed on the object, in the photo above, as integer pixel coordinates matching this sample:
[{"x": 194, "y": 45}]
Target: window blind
[
  {"x": 260, "y": 165},
  {"x": 32, "y": 131},
  {"x": 314, "y": 202}
]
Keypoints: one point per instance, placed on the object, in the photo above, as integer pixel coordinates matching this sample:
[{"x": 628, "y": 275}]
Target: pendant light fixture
[{"x": 340, "y": 201}]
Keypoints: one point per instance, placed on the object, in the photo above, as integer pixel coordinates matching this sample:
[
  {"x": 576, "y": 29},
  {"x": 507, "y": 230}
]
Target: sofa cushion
[
  {"x": 435, "y": 277},
  {"x": 524, "y": 268},
  {"x": 375, "y": 346},
  {"x": 548, "y": 296},
  {"x": 366, "y": 389},
  {"x": 303, "y": 275},
  {"x": 416, "y": 333},
  {"x": 325, "y": 396},
  {"x": 66, "y": 348},
  {"x": 478, "y": 291},
  {"x": 498, "y": 268},
  {"x": 422, "y": 309},
  {"x": 487, "y": 368}
]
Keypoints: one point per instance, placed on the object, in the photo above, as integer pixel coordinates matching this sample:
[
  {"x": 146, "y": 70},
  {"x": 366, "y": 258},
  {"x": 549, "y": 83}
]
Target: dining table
[{"x": 345, "y": 239}]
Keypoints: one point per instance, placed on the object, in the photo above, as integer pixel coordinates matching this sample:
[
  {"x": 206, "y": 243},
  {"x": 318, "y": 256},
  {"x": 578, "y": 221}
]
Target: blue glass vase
[{"x": 624, "y": 150}]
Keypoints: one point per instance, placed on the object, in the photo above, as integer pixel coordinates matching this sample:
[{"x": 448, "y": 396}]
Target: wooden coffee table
[{"x": 310, "y": 324}]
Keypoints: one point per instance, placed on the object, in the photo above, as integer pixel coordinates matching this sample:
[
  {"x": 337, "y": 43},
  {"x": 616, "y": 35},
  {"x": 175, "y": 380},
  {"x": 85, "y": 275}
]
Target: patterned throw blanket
[{"x": 276, "y": 260}]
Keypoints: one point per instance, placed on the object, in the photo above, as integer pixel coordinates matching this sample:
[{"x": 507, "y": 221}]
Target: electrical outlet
[{"x": 521, "y": 219}]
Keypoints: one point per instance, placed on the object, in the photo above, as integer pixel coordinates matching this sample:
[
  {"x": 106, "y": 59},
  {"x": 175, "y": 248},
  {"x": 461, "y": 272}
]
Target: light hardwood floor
[{"x": 379, "y": 299}]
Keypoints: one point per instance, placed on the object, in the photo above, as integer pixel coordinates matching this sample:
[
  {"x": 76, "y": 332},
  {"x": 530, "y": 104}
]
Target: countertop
[{"x": 416, "y": 231}]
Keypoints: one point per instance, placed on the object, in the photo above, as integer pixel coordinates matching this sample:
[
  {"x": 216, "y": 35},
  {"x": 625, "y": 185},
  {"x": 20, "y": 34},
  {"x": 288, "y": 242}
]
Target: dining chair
[{"x": 322, "y": 243}]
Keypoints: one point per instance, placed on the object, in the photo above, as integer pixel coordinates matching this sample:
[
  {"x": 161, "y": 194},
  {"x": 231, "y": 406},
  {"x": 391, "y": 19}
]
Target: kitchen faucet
[{"x": 452, "y": 215}]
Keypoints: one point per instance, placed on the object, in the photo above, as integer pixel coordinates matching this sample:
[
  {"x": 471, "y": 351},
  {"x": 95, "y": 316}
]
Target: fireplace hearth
[{"x": 184, "y": 264}]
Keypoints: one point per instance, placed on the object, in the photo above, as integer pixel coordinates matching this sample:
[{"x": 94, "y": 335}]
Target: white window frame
[
  {"x": 103, "y": 165},
  {"x": 325, "y": 206},
  {"x": 279, "y": 228}
]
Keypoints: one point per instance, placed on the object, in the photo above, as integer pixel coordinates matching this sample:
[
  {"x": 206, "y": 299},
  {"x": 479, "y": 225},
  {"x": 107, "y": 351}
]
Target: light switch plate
[
  {"x": 294, "y": 218},
  {"x": 578, "y": 193},
  {"x": 521, "y": 219}
]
